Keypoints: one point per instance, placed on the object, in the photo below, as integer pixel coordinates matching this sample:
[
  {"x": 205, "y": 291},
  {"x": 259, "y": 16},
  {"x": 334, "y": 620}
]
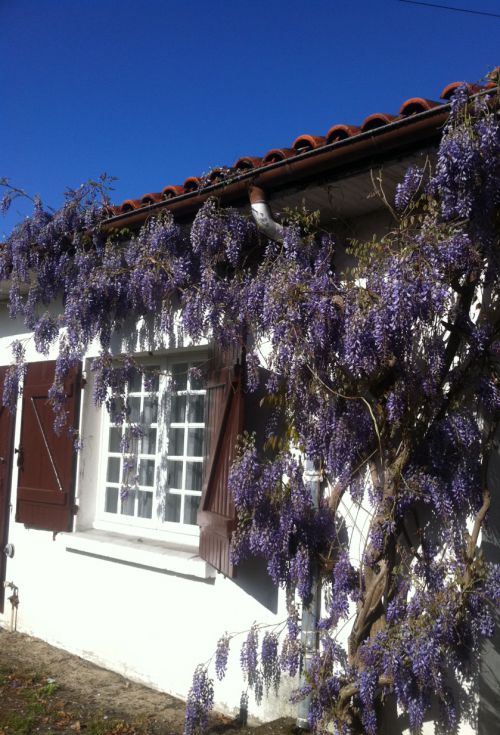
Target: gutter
[{"x": 395, "y": 137}]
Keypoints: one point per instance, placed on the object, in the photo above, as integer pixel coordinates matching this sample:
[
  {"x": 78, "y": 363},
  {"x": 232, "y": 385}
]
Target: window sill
[{"x": 179, "y": 560}]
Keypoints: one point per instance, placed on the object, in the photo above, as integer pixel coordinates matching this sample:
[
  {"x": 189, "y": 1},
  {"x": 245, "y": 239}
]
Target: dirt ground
[{"x": 47, "y": 691}]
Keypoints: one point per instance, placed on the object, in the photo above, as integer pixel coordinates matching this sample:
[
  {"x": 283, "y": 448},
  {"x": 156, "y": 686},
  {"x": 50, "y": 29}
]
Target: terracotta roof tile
[
  {"x": 448, "y": 91},
  {"x": 415, "y": 105},
  {"x": 245, "y": 163},
  {"x": 192, "y": 183},
  {"x": 341, "y": 132},
  {"x": 152, "y": 198},
  {"x": 130, "y": 204},
  {"x": 308, "y": 142},
  {"x": 377, "y": 120},
  {"x": 278, "y": 154},
  {"x": 169, "y": 192},
  {"x": 304, "y": 143},
  {"x": 113, "y": 210},
  {"x": 215, "y": 175}
]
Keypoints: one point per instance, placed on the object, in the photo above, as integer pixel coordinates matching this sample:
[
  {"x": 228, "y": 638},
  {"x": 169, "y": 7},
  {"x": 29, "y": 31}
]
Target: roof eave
[{"x": 419, "y": 129}]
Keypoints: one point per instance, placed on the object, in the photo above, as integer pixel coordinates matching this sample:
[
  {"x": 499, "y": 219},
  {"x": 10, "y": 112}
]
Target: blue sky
[{"x": 152, "y": 92}]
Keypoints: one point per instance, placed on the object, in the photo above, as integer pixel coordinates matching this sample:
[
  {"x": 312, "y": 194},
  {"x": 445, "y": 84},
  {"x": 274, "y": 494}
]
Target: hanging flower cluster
[{"x": 386, "y": 376}]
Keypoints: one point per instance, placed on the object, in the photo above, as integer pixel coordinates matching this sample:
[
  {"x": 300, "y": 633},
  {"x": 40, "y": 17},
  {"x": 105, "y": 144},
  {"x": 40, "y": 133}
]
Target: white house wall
[{"x": 149, "y": 612}]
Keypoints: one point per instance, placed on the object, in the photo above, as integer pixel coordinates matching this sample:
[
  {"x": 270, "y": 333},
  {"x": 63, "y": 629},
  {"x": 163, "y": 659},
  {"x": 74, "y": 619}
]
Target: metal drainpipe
[
  {"x": 312, "y": 477},
  {"x": 312, "y": 611}
]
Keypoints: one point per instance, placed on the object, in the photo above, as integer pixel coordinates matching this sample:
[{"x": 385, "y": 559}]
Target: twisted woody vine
[{"x": 386, "y": 375}]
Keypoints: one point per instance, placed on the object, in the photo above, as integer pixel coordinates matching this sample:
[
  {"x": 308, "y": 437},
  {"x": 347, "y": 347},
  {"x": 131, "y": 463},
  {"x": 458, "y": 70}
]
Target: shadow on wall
[
  {"x": 252, "y": 578},
  {"x": 489, "y": 677}
]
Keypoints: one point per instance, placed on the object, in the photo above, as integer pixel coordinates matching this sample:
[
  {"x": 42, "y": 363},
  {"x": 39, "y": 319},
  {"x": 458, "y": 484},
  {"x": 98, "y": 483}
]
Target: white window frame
[{"x": 155, "y": 528}]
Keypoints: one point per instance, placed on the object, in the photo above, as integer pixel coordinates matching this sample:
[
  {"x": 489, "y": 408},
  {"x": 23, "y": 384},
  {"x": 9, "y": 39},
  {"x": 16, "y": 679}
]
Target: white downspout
[
  {"x": 261, "y": 212},
  {"x": 263, "y": 217}
]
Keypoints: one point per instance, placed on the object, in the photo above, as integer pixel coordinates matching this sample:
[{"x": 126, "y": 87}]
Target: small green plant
[
  {"x": 48, "y": 690},
  {"x": 19, "y": 724}
]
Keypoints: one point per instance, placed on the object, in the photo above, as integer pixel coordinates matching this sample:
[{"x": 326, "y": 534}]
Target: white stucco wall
[{"x": 150, "y": 610}]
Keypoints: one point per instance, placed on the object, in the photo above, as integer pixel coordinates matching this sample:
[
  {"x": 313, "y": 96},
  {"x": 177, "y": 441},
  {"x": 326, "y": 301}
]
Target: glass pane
[
  {"x": 178, "y": 409},
  {"x": 195, "y": 443},
  {"x": 176, "y": 442},
  {"x": 128, "y": 498},
  {"x": 116, "y": 410},
  {"x": 196, "y": 409},
  {"x": 148, "y": 442},
  {"x": 113, "y": 473},
  {"x": 173, "y": 508},
  {"x": 152, "y": 379},
  {"x": 179, "y": 376},
  {"x": 134, "y": 410},
  {"x": 193, "y": 475},
  {"x": 195, "y": 377},
  {"x": 129, "y": 469},
  {"x": 147, "y": 472},
  {"x": 191, "y": 503},
  {"x": 135, "y": 382},
  {"x": 115, "y": 438},
  {"x": 150, "y": 411},
  {"x": 111, "y": 501},
  {"x": 144, "y": 504},
  {"x": 130, "y": 442},
  {"x": 174, "y": 474}
]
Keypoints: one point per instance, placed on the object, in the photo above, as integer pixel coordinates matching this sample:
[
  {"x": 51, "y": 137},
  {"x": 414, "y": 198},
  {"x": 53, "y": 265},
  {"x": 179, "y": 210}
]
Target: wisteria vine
[{"x": 386, "y": 376}]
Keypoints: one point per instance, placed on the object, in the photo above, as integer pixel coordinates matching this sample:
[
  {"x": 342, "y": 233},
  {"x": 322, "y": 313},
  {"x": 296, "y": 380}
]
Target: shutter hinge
[
  {"x": 75, "y": 508},
  {"x": 20, "y": 458}
]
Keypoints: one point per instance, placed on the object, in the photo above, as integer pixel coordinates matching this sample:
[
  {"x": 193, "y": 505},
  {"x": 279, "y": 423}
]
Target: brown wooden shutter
[
  {"x": 46, "y": 460},
  {"x": 6, "y": 438},
  {"x": 224, "y": 422}
]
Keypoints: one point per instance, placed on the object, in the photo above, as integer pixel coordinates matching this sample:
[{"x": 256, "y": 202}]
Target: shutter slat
[{"x": 47, "y": 460}]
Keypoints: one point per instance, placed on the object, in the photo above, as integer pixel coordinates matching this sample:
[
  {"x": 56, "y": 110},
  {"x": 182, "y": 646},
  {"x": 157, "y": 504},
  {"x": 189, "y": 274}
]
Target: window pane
[
  {"x": 144, "y": 504},
  {"x": 130, "y": 442},
  {"x": 116, "y": 410},
  {"x": 173, "y": 508},
  {"x": 193, "y": 475},
  {"x": 113, "y": 474},
  {"x": 135, "y": 382},
  {"x": 150, "y": 411},
  {"x": 129, "y": 469},
  {"x": 115, "y": 438},
  {"x": 147, "y": 472},
  {"x": 196, "y": 409},
  {"x": 128, "y": 498},
  {"x": 191, "y": 503},
  {"x": 195, "y": 382},
  {"x": 179, "y": 376},
  {"x": 134, "y": 409},
  {"x": 178, "y": 409},
  {"x": 176, "y": 442},
  {"x": 175, "y": 474},
  {"x": 111, "y": 502},
  {"x": 152, "y": 379},
  {"x": 148, "y": 442},
  {"x": 195, "y": 443}
]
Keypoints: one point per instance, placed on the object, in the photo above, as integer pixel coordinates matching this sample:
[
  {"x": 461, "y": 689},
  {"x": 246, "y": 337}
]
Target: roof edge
[{"x": 419, "y": 128}]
